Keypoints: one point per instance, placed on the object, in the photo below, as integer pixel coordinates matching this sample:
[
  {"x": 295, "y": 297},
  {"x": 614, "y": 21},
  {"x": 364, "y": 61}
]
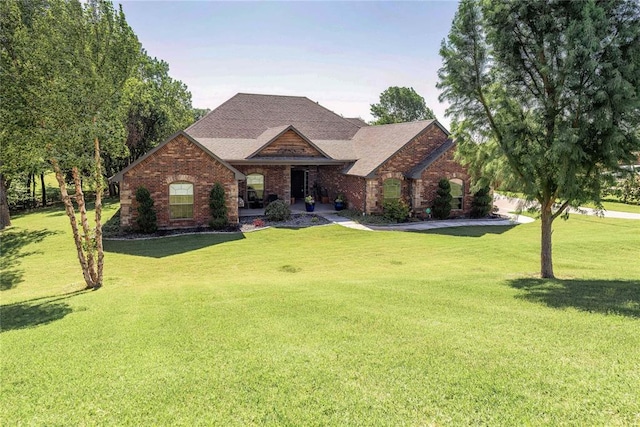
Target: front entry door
[{"x": 298, "y": 183}]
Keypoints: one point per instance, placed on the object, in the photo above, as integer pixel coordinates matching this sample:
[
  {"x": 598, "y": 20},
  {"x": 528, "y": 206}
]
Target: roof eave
[{"x": 292, "y": 161}]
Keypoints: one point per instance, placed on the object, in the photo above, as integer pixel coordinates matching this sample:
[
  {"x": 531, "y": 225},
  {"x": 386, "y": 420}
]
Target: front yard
[{"x": 323, "y": 326}]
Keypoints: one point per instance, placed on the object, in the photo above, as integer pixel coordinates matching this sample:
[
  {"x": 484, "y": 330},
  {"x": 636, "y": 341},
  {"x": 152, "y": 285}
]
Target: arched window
[
  {"x": 181, "y": 200},
  {"x": 392, "y": 189},
  {"x": 457, "y": 193},
  {"x": 255, "y": 190}
]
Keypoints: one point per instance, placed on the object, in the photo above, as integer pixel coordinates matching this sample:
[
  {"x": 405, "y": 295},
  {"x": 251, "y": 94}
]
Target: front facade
[{"x": 265, "y": 147}]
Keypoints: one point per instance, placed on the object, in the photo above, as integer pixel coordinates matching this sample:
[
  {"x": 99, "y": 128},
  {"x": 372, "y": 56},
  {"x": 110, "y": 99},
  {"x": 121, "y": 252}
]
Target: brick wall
[
  {"x": 177, "y": 160},
  {"x": 353, "y": 187},
  {"x": 445, "y": 167},
  {"x": 398, "y": 165},
  {"x": 420, "y": 194}
]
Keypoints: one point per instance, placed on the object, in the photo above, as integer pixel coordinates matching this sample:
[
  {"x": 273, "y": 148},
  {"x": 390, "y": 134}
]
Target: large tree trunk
[
  {"x": 546, "y": 260},
  {"x": 87, "y": 236},
  {"x": 68, "y": 204},
  {"x": 5, "y": 216}
]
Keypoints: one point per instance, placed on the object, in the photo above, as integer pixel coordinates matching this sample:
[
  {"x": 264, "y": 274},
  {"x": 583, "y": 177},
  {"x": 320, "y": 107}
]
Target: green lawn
[{"x": 323, "y": 326}]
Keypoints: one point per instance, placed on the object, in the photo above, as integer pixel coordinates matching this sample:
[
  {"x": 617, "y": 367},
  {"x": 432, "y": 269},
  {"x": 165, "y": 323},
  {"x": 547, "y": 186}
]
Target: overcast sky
[{"x": 340, "y": 54}]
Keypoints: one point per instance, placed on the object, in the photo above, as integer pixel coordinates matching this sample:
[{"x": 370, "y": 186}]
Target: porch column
[
  {"x": 286, "y": 178},
  {"x": 416, "y": 195},
  {"x": 372, "y": 196}
]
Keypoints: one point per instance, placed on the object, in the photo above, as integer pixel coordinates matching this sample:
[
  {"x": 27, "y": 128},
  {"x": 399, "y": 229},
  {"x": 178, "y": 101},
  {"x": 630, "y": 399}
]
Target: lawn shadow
[
  {"x": 168, "y": 246},
  {"x": 620, "y": 297},
  {"x": 26, "y": 314},
  {"x": 468, "y": 231},
  {"x": 12, "y": 245}
]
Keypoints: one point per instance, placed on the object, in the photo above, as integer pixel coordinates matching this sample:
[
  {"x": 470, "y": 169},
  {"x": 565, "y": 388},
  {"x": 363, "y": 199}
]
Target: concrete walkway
[
  {"x": 506, "y": 207},
  {"x": 507, "y": 204},
  {"x": 419, "y": 226}
]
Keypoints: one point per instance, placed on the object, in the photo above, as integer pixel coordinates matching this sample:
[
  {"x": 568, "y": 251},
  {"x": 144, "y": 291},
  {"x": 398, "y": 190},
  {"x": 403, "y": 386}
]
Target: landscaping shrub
[
  {"x": 442, "y": 204},
  {"x": 395, "y": 210},
  {"x": 146, "y": 221},
  {"x": 630, "y": 189},
  {"x": 218, "y": 207},
  {"x": 277, "y": 210},
  {"x": 482, "y": 203}
]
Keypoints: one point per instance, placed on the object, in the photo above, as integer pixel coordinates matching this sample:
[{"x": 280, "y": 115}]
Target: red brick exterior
[
  {"x": 353, "y": 187},
  {"x": 179, "y": 160},
  {"x": 419, "y": 194},
  {"x": 444, "y": 167}
]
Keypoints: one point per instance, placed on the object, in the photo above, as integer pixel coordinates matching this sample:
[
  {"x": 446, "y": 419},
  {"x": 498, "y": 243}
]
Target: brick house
[{"x": 262, "y": 147}]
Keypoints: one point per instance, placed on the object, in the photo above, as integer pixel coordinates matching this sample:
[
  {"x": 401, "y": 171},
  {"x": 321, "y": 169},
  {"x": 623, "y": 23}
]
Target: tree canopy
[
  {"x": 545, "y": 97},
  {"x": 399, "y": 105},
  {"x": 67, "y": 63}
]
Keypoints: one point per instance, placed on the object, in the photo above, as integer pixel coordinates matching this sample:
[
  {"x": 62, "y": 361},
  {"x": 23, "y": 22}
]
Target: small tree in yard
[
  {"x": 544, "y": 97},
  {"x": 146, "y": 220},
  {"x": 481, "y": 204},
  {"x": 218, "y": 207},
  {"x": 442, "y": 204}
]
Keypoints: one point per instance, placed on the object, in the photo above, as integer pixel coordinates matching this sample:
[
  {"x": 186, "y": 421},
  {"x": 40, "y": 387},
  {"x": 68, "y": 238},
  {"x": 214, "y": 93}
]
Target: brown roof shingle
[
  {"x": 373, "y": 145},
  {"x": 249, "y": 115}
]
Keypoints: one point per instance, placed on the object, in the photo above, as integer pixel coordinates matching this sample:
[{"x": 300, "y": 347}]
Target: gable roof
[
  {"x": 374, "y": 145},
  {"x": 273, "y": 134},
  {"x": 247, "y": 116},
  {"x": 120, "y": 175},
  {"x": 416, "y": 172}
]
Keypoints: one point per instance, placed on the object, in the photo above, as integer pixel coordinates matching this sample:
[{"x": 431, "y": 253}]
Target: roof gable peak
[{"x": 273, "y": 135}]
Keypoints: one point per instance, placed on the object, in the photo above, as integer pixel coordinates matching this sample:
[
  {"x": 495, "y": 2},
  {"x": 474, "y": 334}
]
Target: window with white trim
[
  {"x": 181, "y": 200},
  {"x": 457, "y": 193}
]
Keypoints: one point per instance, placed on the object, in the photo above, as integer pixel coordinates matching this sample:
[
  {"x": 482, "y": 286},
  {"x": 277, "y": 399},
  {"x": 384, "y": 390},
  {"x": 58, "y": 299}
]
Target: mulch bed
[{"x": 246, "y": 224}]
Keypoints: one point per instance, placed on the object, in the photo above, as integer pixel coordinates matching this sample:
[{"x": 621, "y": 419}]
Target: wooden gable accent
[{"x": 289, "y": 144}]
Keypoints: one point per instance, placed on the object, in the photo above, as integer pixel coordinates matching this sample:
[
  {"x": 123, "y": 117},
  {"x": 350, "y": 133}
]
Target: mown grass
[{"x": 324, "y": 326}]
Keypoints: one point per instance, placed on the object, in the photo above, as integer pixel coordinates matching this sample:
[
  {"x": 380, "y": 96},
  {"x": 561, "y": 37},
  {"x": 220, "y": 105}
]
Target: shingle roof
[
  {"x": 249, "y": 115},
  {"x": 357, "y": 121},
  {"x": 376, "y": 144},
  {"x": 240, "y": 149},
  {"x": 231, "y": 148}
]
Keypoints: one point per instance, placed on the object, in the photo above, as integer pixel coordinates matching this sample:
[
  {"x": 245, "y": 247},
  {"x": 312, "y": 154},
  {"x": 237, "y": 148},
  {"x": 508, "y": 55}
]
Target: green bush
[
  {"x": 395, "y": 210},
  {"x": 482, "y": 203},
  {"x": 278, "y": 210},
  {"x": 218, "y": 207},
  {"x": 442, "y": 204},
  {"x": 146, "y": 221},
  {"x": 630, "y": 189}
]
